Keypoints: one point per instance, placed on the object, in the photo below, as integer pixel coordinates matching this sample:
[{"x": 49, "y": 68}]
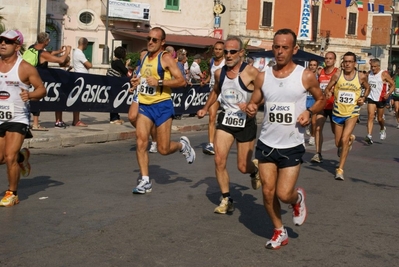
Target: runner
[
  {"x": 215, "y": 63},
  {"x": 234, "y": 85},
  {"x": 280, "y": 147},
  {"x": 155, "y": 84},
  {"x": 16, "y": 76},
  {"x": 381, "y": 87},
  {"x": 346, "y": 86},
  {"x": 320, "y": 118}
]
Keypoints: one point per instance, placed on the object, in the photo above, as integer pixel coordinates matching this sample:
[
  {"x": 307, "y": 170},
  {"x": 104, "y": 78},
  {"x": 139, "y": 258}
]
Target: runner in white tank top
[
  {"x": 16, "y": 76},
  {"x": 280, "y": 148}
]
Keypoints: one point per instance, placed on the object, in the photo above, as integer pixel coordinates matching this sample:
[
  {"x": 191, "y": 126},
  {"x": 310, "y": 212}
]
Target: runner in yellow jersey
[
  {"x": 154, "y": 83},
  {"x": 346, "y": 87}
]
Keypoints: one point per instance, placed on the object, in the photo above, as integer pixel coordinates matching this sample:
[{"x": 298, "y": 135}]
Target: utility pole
[
  {"x": 106, "y": 48},
  {"x": 390, "y": 67},
  {"x": 38, "y": 16}
]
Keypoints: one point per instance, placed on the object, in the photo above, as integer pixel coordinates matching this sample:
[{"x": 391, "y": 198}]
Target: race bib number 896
[
  {"x": 6, "y": 110},
  {"x": 282, "y": 113}
]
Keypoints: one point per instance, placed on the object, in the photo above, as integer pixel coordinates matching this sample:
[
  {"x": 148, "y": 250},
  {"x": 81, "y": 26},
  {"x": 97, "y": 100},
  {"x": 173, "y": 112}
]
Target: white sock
[
  {"x": 211, "y": 144},
  {"x": 281, "y": 228},
  {"x": 183, "y": 146},
  {"x": 154, "y": 143},
  {"x": 145, "y": 178}
]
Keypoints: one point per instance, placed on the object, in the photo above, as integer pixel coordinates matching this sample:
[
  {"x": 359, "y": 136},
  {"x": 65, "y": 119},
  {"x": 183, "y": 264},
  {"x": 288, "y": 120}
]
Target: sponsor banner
[
  {"x": 129, "y": 10},
  {"x": 70, "y": 91}
]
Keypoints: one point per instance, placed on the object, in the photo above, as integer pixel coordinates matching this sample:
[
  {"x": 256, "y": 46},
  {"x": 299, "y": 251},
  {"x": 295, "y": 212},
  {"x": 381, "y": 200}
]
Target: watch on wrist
[
  {"x": 310, "y": 112},
  {"x": 160, "y": 83}
]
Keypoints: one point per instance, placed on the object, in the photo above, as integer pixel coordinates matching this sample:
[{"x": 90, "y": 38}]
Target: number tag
[
  {"x": 234, "y": 118},
  {"x": 323, "y": 86},
  {"x": 346, "y": 98},
  {"x": 145, "y": 89},
  {"x": 279, "y": 112},
  {"x": 6, "y": 110},
  {"x": 396, "y": 91}
]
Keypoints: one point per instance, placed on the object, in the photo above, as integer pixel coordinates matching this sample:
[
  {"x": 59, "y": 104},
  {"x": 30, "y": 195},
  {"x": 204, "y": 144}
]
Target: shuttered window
[
  {"x": 267, "y": 14},
  {"x": 352, "y": 23},
  {"x": 172, "y": 4}
]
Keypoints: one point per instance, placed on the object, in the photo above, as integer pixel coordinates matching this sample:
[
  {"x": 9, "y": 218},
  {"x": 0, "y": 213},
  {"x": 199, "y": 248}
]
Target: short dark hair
[
  {"x": 163, "y": 34},
  {"x": 350, "y": 54},
  {"x": 120, "y": 52},
  {"x": 287, "y": 31},
  {"x": 315, "y": 60}
]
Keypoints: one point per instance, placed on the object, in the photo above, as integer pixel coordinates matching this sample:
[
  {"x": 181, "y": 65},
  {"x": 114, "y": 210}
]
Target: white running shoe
[
  {"x": 187, "y": 151},
  {"x": 383, "y": 133},
  {"x": 299, "y": 212},
  {"x": 142, "y": 187},
  {"x": 311, "y": 141},
  {"x": 279, "y": 239},
  {"x": 153, "y": 147}
]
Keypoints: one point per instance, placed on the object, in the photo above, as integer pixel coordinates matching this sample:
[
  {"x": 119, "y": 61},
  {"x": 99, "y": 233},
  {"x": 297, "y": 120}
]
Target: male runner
[
  {"x": 215, "y": 63},
  {"x": 155, "y": 85},
  {"x": 324, "y": 78},
  {"x": 280, "y": 147},
  {"x": 346, "y": 86},
  {"x": 16, "y": 76},
  {"x": 234, "y": 85},
  {"x": 381, "y": 87}
]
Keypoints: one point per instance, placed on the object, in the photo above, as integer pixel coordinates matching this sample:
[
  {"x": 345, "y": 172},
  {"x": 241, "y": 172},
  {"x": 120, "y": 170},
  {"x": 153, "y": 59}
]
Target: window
[
  {"x": 352, "y": 23},
  {"x": 315, "y": 20},
  {"x": 267, "y": 14},
  {"x": 86, "y": 18},
  {"x": 172, "y": 4}
]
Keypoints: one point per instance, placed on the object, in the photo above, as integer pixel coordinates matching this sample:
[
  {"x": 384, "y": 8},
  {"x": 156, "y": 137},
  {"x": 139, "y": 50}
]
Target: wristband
[{"x": 310, "y": 112}]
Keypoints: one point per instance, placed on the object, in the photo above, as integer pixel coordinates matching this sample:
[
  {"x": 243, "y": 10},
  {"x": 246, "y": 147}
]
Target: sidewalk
[{"x": 99, "y": 129}]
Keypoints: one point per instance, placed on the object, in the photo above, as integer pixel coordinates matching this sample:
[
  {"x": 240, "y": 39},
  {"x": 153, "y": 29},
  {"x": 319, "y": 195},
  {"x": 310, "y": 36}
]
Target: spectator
[
  {"x": 195, "y": 70},
  {"x": 81, "y": 65},
  {"x": 44, "y": 57},
  {"x": 118, "y": 68}
]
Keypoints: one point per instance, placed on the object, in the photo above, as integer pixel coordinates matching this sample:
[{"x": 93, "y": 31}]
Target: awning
[{"x": 179, "y": 40}]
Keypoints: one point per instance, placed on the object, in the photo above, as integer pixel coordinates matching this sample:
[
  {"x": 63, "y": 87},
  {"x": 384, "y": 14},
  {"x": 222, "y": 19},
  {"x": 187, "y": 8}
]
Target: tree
[{"x": 2, "y": 27}]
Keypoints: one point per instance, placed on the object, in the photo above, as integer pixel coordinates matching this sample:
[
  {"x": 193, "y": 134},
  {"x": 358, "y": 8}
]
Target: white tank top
[
  {"x": 285, "y": 99},
  {"x": 377, "y": 87},
  {"x": 232, "y": 94},
  {"x": 213, "y": 69},
  {"x": 12, "y": 108}
]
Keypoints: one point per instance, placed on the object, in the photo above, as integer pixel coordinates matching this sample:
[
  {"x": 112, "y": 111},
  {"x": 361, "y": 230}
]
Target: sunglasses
[
  {"x": 232, "y": 52},
  {"x": 154, "y": 40},
  {"x": 7, "y": 41}
]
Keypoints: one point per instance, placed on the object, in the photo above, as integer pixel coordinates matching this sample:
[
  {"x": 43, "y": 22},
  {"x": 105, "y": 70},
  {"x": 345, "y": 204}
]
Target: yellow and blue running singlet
[{"x": 346, "y": 94}]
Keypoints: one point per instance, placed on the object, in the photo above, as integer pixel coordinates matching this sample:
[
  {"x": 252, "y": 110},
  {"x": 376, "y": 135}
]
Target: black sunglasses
[
  {"x": 7, "y": 41},
  {"x": 232, "y": 52},
  {"x": 154, "y": 40}
]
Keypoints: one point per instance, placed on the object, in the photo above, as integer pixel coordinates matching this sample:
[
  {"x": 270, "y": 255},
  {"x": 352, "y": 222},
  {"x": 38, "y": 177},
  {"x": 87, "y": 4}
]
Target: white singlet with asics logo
[
  {"x": 12, "y": 108},
  {"x": 285, "y": 99}
]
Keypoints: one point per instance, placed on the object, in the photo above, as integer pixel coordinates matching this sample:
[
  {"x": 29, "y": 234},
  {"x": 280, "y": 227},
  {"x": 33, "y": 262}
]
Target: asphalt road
[{"x": 77, "y": 209}]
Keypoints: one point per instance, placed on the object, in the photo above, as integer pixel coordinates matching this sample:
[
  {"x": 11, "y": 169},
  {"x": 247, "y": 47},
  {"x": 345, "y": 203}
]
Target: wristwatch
[
  {"x": 160, "y": 83},
  {"x": 310, "y": 112}
]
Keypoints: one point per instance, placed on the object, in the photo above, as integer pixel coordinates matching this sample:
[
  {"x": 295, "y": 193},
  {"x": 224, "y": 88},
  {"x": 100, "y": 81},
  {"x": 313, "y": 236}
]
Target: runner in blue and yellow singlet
[{"x": 346, "y": 87}]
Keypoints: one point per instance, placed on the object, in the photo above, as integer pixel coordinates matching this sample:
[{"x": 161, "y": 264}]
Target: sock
[
  {"x": 14, "y": 192},
  {"x": 224, "y": 195},
  {"x": 154, "y": 143},
  {"x": 183, "y": 146},
  {"x": 145, "y": 178},
  {"x": 21, "y": 157},
  {"x": 211, "y": 144},
  {"x": 280, "y": 229},
  {"x": 299, "y": 198}
]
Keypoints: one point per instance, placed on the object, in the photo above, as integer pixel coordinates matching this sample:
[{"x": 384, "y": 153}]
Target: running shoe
[
  {"x": 317, "y": 158},
  {"x": 369, "y": 139},
  {"x": 153, "y": 147},
  {"x": 208, "y": 149},
  {"x": 25, "y": 165},
  {"x": 142, "y": 187},
  {"x": 117, "y": 122},
  {"x": 226, "y": 205},
  {"x": 383, "y": 133},
  {"x": 187, "y": 151},
  {"x": 255, "y": 178},
  {"x": 339, "y": 174},
  {"x": 9, "y": 199},
  {"x": 311, "y": 141},
  {"x": 60, "y": 125},
  {"x": 279, "y": 239},
  {"x": 299, "y": 212},
  {"x": 308, "y": 130}
]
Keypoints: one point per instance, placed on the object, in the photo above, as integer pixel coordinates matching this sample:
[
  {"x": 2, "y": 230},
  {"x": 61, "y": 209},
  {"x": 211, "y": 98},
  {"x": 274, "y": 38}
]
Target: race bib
[
  {"x": 145, "y": 89},
  {"x": 323, "y": 86},
  {"x": 346, "y": 98},
  {"x": 234, "y": 118},
  {"x": 396, "y": 91},
  {"x": 280, "y": 112},
  {"x": 6, "y": 110}
]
